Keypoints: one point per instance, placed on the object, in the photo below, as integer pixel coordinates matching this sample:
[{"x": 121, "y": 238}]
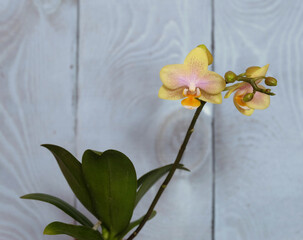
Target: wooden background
[{"x": 85, "y": 74}]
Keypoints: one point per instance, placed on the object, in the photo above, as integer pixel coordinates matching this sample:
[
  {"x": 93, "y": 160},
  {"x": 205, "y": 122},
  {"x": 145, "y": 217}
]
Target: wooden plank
[
  {"x": 259, "y": 158},
  {"x": 123, "y": 46},
  {"x": 37, "y": 44}
]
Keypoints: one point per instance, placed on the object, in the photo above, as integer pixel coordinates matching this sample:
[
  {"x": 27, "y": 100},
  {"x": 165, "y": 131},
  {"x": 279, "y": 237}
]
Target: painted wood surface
[
  {"x": 123, "y": 46},
  {"x": 98, "y": 90},
  {"x": 259, "y": 158},
  {"x": 37, "y": 45}
]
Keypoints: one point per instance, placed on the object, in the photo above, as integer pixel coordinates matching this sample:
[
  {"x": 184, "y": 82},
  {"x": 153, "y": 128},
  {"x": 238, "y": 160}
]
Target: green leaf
[
  {"x": 111, "y": 180},
  {"x": 136, "y": 223},
  {"x": 72, "y": 171},
  {"x": 78, "y": 232},
  {"x": 149, "y": 179},
  {"x": 64, "y": 206}
]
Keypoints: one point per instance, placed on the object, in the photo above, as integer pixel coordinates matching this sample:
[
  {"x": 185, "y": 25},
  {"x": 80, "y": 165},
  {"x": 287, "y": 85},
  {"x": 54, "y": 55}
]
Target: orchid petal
[
  {"x": 174, "y": 76},
  {"x": 211, "y": 82},
  {"x": 166, "y": 93},
  {"x": 233, "y": 88},
  {"x": 240, "y": 104},
  {"x": 209, "y": 55},
  {"x": 251, "y": 70},
  {"x": 244, "y": 88},
  {"x": 212, "y": 98},
  {"x": 260, "y": 72},
  {"x": 245, "y": 111},
  {"x": 197, "y": 62},
  {"x": 259, "y": 101}
]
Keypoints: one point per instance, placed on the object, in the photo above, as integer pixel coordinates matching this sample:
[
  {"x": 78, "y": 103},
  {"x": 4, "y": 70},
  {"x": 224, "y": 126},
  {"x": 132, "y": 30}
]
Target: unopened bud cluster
[{"x": 250, "y": 77}]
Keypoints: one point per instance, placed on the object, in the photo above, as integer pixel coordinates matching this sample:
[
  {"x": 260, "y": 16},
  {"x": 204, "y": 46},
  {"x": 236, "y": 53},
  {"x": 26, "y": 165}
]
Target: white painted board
[
  {"x": 123, "y": 46},
  {"x": 259, "y": 158},
  {"x": 37, "y": 45}
]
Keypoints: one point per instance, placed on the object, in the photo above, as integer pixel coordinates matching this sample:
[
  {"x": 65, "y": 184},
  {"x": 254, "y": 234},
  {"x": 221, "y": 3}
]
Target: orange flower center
[
  {"x": 191, "y": 101},
  {"x": 239, "y": 100}
]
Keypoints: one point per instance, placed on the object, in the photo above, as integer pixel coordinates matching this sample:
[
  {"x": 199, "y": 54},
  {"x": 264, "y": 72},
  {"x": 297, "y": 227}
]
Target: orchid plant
[{"x": 106, "y": 182}]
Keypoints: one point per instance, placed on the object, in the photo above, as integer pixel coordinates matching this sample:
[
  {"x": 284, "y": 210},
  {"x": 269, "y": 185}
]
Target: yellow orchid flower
[
  {"x": 259, "y": 100},
  {"x": 192, "y": 80}
]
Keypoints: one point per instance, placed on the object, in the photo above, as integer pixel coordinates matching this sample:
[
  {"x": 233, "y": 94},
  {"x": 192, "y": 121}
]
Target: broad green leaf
[
  {"x": 78, "y": 232},
  {"x": 72, "y": 171},
  {"x": 136, "y": 223},
  {"x": 149, "y": 179},
  {"x": 111, "y": 180},
  {"x": 64, "y": 206}
]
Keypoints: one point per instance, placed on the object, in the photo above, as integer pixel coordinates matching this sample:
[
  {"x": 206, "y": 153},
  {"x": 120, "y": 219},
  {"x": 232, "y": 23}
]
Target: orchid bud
[
  {"x": 268, "y": 90},
  {"x": 248, "y": 97},
  {"x": 230, "y": 77},
  {"x": 270, "y": 81}
]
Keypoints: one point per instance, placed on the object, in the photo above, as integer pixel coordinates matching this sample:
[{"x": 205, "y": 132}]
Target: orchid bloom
[
  {"x": 259, "y": 101},
  {"x": 192, "y": 80}
]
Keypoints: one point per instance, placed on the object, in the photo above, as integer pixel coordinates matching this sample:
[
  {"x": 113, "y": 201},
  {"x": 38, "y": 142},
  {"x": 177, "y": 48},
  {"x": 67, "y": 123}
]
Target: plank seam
[
  {"x": 213, "y": 222},
  {"x": 76, "y": 86}
]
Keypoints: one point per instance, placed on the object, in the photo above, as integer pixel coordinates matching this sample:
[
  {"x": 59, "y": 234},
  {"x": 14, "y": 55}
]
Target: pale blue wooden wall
[{"x": 85, "y": 74}]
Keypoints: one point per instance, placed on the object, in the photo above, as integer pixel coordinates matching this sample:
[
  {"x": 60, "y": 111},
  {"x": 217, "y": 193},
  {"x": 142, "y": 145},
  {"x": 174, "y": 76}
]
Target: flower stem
[
  {"x": 171, "y": 172},
  {"x": 255, "y": 87}
]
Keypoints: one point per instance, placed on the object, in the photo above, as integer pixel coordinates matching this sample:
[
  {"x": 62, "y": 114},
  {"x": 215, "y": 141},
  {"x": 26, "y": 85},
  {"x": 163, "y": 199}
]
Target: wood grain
[
  {"x": 37, "y": 45},
  {"x": 123, "y": 46},
  {"x": 259, "y": 158}
]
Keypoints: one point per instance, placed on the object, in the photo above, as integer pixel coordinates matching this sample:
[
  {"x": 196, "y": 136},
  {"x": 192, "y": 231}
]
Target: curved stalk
[{"x": 171, "y": 172}]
